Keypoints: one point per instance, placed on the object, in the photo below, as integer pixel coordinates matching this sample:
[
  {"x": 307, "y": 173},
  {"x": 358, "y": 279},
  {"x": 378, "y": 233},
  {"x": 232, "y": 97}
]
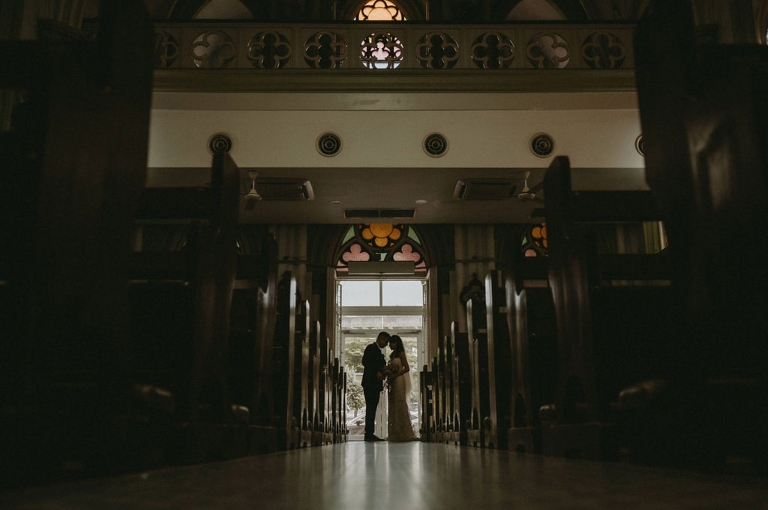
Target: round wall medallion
[
  {"x": 640, "y": 145},
  {"x": 542, "y": 145},
  {"x": 329, "y": 144},
  {"x": 435, "y": 145},
  {"x": 219, "y": 143}
]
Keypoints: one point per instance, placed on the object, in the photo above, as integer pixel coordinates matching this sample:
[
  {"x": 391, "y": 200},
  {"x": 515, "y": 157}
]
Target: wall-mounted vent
[
  {"x": 542, "y": 145},
  {"x": 379, "y": 213},
  {"x": 278, "y": 188},
  {"x": 484, "y": 189},
  {"x": 220, "y": 143},
  {"x": 329, "y": 144},
  {"x": 435, "y": 145}
]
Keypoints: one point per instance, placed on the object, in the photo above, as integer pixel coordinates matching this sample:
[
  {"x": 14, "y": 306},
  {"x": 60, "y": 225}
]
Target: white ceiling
[{"x": 382, "y": 163}]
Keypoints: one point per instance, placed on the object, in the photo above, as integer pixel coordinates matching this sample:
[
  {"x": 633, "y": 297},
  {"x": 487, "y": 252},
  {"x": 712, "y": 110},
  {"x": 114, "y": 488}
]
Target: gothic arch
[
  {"x": 324, "y": 244},
  {"x": 381, "y": 242}
]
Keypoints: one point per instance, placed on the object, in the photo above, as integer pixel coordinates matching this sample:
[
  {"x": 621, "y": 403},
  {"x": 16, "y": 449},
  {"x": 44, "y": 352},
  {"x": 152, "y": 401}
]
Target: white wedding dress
[{"x": 399, "y": 421}]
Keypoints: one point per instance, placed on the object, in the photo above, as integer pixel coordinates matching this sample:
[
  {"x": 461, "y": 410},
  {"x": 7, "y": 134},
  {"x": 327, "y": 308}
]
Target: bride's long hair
[{"x": 399, "y": 347}]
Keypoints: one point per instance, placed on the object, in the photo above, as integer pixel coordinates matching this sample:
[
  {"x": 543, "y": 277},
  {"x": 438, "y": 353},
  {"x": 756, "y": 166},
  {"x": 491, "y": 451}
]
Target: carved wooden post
[
  {"x": 302, "y": 375},
  {"x": 478, "y": 353},
  {"x": 462, "y": 385},
  {"x": 499, "y": 383},
  {"x": 285, "y": 361}
]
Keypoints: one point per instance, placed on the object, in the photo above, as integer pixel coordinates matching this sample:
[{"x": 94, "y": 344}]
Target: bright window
[
  {"x": 360, "y": 293},
  {"x": 380, "y": 10},
  {"x": 402, "y": 293}
]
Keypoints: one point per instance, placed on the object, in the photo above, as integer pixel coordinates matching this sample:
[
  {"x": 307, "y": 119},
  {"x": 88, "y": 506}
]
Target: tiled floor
[{"x": 360, "y": 475}]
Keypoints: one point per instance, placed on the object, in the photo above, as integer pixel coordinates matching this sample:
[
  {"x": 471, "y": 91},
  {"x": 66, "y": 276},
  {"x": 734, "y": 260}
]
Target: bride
[{"x": 399, "y": 382}]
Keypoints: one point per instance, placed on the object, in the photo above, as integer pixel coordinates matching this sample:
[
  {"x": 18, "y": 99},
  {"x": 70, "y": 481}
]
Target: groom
[{"x": 373, "y": 382}]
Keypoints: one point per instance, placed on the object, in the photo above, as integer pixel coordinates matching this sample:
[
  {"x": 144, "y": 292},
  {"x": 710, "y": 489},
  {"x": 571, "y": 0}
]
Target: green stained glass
[
  {"x": 412, "y": 235},
  {"x": 350, "y": 234}
]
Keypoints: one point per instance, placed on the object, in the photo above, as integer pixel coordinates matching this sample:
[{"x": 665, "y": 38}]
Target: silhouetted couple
[{"x": 376, "y": 371}]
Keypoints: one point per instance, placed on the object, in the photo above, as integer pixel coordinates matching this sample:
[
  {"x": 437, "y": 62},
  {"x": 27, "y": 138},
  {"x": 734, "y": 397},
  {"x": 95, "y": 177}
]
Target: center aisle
[{"x": 359, "y": 475}]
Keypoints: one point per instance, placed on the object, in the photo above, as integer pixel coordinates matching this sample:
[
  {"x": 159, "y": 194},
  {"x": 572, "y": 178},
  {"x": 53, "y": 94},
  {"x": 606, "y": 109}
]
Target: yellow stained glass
[
  {"x": 539, "y": 235},
  {"x": 381, "y": 242},
  {"x": 381, "y": 229},
  {"x": 367, "y": 234}
]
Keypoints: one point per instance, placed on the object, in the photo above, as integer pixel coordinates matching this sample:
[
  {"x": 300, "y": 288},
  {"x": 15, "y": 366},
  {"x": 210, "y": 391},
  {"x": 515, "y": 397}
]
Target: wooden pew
[
  {"x": 434, "y": 401},
  {"x": 532, "y": 327},
  {"x": 340, "y": 408},
  {"x": 315, "y": 387},
  {"x": 426, "y": 383},
  {"x": 478, "y": 358},
  {"x": 327, "y": 383},
  {"x": 252, "y": 335},
  {"x": 498, "y": 420},
  {"x": 461, "y": 387},
  {"x": 284, "y": 363},
  {"x": 71, "y": 177},
  {"x": 301, "y": 381},
  {"x": 337, "y": 383},
  {"x": 446, "y": 391},
  {"x": 609, "y": 337},
  {"x": 180, "y": 317},
  {"x": 442, "y": 397},
  {"x": 702, "y": 110}
]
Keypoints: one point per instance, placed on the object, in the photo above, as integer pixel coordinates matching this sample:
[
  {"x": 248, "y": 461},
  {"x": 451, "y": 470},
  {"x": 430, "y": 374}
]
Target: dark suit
[{"x": 373, "y": 362}]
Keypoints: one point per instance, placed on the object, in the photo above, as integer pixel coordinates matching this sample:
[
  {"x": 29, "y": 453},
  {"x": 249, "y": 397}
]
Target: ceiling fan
[
  {"x": 252, "y": 196},
  {"x": 529, "y": 194},
  {"x": 275, "y": 188}
]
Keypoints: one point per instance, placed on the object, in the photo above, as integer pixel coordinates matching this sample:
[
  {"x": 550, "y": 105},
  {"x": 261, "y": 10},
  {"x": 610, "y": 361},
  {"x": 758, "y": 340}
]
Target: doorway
[{"x": 365, "y": 307}]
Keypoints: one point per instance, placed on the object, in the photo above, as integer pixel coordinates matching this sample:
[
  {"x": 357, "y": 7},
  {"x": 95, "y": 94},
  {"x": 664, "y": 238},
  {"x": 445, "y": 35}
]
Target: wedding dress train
[{"x": 399, "y": 421}]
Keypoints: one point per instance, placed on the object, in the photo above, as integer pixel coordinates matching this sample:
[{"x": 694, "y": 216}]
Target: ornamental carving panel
[
  {"x": 325, "y": 50},
  {"x": 547, "y": 50},
  {"x": 166, "y": 50},
  {"x": 381, "y": 51},
  {"x": 213, "y": 50},
  {"x": 380, "y": 10},
  {"x": 269, "y": 50},
  {"x": 603, "y": 50},
  {"x": 493, "y": 50},
  {"x": 437, "y": 50}
]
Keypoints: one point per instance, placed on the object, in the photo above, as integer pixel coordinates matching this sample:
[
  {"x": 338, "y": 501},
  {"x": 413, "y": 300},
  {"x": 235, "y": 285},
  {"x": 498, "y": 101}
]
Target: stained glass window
[
  {"x": 366, "y": 242},
  {"x": 534, "y": 242},
  {"x": 380, "y": 10}
]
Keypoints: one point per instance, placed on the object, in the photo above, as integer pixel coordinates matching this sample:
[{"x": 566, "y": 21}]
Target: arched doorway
[{"x": 380, "y": 284}]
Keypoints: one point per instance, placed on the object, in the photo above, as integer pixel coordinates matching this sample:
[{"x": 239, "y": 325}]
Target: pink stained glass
[
  {"x": 356, "y": 254},
  {"x": 407, "y": 254}
]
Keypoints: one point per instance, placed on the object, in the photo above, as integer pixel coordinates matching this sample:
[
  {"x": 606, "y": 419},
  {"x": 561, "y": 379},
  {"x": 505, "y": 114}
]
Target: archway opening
[{"x": 366, "y": 306}]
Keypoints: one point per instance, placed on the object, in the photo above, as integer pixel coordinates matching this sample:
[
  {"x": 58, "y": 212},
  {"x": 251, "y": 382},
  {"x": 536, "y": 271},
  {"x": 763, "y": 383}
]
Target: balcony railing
[{"x": 391, "y": 49}]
